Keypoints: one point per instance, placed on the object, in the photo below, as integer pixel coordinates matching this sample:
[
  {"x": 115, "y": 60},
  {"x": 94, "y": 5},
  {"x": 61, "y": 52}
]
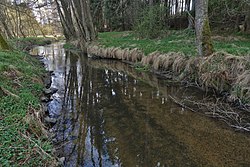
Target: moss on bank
[{"x": 23, "y": 141}]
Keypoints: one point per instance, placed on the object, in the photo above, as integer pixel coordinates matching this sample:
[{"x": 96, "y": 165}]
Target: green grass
[
  {"x": 175, "y": 41},
  {"x": 19, "y": 75},
  {"x": 70, "y": 46},
  {"x": 24, "y": 43}
]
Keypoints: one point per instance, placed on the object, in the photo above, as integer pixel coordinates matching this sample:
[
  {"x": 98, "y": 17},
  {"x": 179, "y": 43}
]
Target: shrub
[{"x": 150, "y": 23}]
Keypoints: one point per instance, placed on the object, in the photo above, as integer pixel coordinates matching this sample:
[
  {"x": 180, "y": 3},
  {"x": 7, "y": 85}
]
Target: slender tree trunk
[
  {"x": 90, "y": 21},
  {"x": 151, "y": 2},
  {"x": 202, "y": 28},
  {"x": 76, "y": 20},
  {"x": 65, "y": 15},
  {"x": 190, "y": 13},
  {"x": 176, "y": 6},
  {"x": 247, "y": 20}
]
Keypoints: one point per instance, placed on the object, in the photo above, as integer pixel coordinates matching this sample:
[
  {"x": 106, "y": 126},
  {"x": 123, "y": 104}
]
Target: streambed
[{"x": 109, "y": 114}]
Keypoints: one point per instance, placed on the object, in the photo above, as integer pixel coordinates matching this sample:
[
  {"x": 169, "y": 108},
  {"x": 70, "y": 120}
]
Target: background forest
[{"x": 150, "y": 18}]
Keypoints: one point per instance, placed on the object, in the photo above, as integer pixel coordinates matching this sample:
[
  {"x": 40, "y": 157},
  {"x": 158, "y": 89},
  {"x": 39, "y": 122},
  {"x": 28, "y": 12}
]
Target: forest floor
[
  {"x": 23, "y": 142},
  {"x": 176, "y": 41}
]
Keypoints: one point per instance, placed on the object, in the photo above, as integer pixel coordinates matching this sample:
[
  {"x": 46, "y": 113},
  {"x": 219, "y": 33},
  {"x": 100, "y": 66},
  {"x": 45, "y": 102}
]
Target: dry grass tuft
[
  {"x": 220, "y": 71},
  {"x": 134, "y": 55},
  {"x": 158, "y": 62},
  {"x": 125, "y": 54},
  {"x": 242, "y": 86},
  {"x": 148, "y": 60},
  {"x": 172, "y": 61},
  {"x": 33, "y": 119}
]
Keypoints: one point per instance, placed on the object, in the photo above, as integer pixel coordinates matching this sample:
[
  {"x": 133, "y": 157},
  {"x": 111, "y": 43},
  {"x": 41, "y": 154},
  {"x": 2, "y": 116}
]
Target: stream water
[{"x": 109, "y": 114}]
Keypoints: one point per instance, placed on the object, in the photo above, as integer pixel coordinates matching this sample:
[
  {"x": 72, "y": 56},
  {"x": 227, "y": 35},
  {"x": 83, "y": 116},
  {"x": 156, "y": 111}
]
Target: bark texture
[
  {"x": 77, "y": 21},
  {"x": 202, "y": 28},
  {"x": 247, "y": 19}
]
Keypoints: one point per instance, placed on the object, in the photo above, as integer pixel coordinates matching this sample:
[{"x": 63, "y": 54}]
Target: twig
[
  {"x": 181, "y": 104},
  {"x": 5, "y": 91},
  {"x": 36, "y": 145},
  {"x": 241, "y": 128}
]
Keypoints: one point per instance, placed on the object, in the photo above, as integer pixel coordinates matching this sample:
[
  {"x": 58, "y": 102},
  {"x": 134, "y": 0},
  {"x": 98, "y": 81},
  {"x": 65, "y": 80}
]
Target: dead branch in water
[
  {"x": 234, "y": 117},
  {"x": 180, "y": 103}
]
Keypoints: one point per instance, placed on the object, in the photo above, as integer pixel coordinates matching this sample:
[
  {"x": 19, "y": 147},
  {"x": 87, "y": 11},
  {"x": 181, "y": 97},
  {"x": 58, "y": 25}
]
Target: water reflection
[{"x": 111, "y": 115}]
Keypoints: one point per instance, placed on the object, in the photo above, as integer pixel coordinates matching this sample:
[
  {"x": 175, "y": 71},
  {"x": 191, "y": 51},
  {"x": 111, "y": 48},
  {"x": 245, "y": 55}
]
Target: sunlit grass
[
  {"x": 23, "y": 43},
  {"x": 175, "y": 41},
  {"x": 19, "y": 75}
]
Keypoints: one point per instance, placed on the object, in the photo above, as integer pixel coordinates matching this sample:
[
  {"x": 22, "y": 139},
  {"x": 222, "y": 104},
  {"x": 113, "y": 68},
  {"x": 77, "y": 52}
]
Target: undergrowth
[{"x": 20, "y": 86}]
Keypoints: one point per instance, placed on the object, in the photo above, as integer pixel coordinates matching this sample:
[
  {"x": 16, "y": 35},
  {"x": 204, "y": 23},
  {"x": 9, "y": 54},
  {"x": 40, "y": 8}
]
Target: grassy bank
[
  {"x": 227, "y": 70},
  {"x": 28, "y": 42},
  {"x": 176, "y": 41},
  {"x": 23, "y": 139}
]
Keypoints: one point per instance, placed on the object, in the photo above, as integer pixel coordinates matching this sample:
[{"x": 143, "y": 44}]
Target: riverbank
[
  {"x": 24, "y": 139},
  {"x": 226, "y": 72},
  {"x": 25, "y": 44}
]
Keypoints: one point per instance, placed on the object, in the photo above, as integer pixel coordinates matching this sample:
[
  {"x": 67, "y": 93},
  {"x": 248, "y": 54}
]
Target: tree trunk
[
  {"x": 3, "y": 44},
  {"x": 76, "y": 20},
  {"x": 202, "y": 28},
  {"x": 247, "y": 20},
  {"x": 191, "y": 20}
]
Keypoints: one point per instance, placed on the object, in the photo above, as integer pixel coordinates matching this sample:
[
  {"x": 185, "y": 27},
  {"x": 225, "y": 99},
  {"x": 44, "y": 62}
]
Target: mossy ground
[
  {"x": 21, "y": 77},
  {"x": 176, "y": 41}
]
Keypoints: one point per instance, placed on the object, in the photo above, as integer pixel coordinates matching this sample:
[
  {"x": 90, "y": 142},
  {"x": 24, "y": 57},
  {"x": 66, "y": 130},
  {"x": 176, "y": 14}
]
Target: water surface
[{"x": 112, "y": 115}]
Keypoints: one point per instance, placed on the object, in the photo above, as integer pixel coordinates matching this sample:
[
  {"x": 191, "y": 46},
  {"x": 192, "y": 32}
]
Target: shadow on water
[{"x": 111, "y": 115}]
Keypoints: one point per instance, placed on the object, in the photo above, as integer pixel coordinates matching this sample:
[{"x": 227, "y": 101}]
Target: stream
[{"x": 109, "y": 114}]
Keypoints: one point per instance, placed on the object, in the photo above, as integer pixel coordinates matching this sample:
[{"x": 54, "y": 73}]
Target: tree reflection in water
[
  {"x": 102, "y": 106},
  {"x": 111, "y": 115}
]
